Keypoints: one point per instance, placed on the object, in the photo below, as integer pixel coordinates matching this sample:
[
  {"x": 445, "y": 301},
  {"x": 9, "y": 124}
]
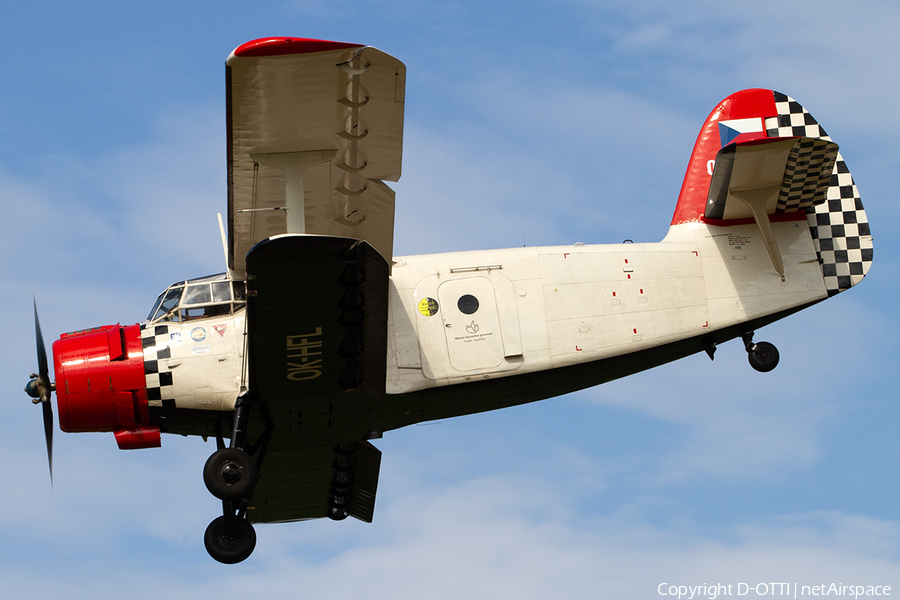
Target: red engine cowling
[{"x": 100, "y": 384}]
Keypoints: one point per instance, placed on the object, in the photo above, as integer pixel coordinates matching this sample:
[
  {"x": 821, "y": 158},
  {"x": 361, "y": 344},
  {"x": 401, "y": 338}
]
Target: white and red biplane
[{"x": 318, "y": 339}]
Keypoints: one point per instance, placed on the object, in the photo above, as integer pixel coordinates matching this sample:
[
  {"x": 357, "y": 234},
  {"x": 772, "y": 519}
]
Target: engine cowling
[{"x": 100, "y": 384}]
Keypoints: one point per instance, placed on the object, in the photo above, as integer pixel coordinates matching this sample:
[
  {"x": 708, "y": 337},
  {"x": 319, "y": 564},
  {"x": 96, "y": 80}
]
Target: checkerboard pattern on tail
[
  {"x": 838, "y": 223},
  {"x": 807, "y": 175}
]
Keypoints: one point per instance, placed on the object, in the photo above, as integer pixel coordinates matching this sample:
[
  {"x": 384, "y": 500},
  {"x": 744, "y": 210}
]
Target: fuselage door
[{"x": 471, "y": 323}]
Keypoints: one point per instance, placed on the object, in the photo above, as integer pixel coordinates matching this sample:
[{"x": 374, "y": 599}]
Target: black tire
[
  {"x": 230, "y": 474},
  {"x": 763, "y": 356},
  {"x": 230, "y": 547}
]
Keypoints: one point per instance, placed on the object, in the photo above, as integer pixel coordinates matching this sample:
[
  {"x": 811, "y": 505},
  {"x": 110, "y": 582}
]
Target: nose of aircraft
[{"x": 100, "y": 383}]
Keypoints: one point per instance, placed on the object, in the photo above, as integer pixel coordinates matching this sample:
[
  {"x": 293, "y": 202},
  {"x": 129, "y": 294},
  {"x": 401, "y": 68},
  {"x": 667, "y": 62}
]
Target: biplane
[{"x": 317, "y": 340}]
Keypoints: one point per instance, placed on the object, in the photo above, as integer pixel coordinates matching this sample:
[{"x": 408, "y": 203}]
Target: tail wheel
[
  {"x": 230, "y": 545},
  {"x": 763, "y": 356},
  {"x": 230, "y": 474}
]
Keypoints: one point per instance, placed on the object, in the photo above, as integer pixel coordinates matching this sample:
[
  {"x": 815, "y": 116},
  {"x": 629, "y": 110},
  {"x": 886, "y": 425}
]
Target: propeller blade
[
  {"x": 43, "y": 388},
  {"x": 48, "y": 433},
  {"x": 43, "y": 371}
]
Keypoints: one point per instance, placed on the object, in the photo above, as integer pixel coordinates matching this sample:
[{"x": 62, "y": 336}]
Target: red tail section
[{"x": 740, "y": 117}]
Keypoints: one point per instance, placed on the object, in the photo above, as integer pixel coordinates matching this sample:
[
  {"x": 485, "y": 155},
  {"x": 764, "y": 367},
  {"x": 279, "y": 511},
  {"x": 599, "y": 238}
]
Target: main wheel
[
  {"x": 763, "y": 356},
  {"x": 230, "y": 547},
  {"x": 230, "y": 474}
]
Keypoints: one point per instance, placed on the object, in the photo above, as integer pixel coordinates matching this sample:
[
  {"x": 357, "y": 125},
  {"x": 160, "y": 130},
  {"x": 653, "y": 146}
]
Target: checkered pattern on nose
[{"x": 155, "y": 340}]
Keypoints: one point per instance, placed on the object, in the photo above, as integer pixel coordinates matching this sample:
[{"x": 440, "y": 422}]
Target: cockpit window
[
  {"x": 221, "y": 291},
  {"x": 169, "y": 302},
  {"x": 240, "y": 292},
  {"x": 202, "y": 298},
  {"x": 155, "y": 306},
  {"x": 197, "y": 294}
]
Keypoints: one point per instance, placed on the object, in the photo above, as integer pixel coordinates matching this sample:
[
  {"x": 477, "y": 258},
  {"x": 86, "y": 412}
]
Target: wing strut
[
  {"x": 756, "y": 199},
  {"x": 770, "y": 176},
  {"x": 293, "y": 164}
]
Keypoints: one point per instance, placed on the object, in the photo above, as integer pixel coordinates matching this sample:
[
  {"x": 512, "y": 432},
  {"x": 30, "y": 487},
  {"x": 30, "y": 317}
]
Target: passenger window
[
  {"x": 221, "y": 291},
  {"x": 197, "y": 294}
]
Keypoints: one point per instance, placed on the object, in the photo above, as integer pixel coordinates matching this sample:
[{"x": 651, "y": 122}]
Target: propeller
[{"x": 39, "y": 389}]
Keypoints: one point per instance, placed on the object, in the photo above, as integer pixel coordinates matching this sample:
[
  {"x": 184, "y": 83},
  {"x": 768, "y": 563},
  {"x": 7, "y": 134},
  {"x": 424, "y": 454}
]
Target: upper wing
[{"x": 314, "y": 128}]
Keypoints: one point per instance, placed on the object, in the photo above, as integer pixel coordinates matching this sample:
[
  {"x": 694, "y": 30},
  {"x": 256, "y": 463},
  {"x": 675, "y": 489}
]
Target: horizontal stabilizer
[
  {"x": 773, "y": 176},
  {"x": 794, "y": 172}
]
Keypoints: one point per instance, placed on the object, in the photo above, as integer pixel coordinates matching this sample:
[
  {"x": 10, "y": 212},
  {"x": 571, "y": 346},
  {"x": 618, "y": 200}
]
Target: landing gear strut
[
  {"x": 763, "y": 356},
  {"x": 230, "y": 474}
]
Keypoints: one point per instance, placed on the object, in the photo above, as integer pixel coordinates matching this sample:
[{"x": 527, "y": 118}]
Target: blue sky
[{"x": 531, "y": 123}]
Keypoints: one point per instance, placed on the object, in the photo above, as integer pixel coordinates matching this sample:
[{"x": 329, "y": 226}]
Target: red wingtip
[{"x": 281, "y": 46}]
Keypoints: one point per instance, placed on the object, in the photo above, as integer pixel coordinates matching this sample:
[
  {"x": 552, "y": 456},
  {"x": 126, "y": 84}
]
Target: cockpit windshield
[
  {"x": 211, "y": 296},
  {"x": 167, "y": 301}
]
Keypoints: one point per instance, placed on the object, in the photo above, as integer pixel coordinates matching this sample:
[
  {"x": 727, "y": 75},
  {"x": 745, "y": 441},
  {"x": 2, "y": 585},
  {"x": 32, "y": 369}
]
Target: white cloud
[
  {"x": 825, "y": 55},
  {"x": 480, "y": 537}
]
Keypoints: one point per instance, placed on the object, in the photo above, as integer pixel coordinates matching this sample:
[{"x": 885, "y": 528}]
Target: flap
[
  {"x": 314, "y": 128},
  {"x": 367, "y": 464},
  {"x": 293, "y": 485}
]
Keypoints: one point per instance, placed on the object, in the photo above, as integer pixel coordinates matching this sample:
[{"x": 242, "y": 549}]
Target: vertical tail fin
[{"x": 729, "y": 152}]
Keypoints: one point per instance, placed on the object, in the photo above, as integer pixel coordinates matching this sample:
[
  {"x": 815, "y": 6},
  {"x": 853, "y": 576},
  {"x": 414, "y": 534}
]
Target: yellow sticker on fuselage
[{"x": 428, "y": 307}]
